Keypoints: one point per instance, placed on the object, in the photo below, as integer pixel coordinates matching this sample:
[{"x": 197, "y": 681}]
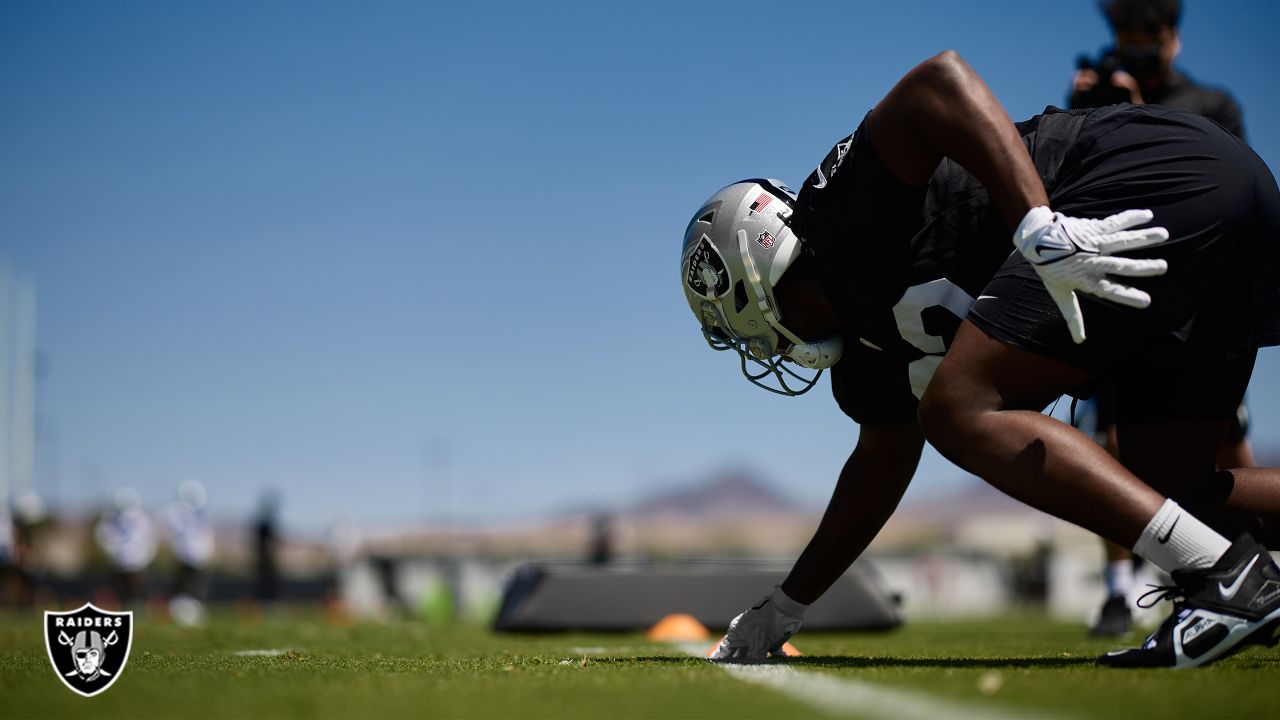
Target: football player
[{"x": 892, "y": 267}]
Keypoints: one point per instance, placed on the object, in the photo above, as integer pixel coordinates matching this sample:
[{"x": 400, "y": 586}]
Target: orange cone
[{"x": 678, "y": 627}]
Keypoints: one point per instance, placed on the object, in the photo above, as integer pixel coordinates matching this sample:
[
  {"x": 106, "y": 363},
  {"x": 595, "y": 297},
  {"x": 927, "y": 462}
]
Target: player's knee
[{"x": 941, "y": 417}]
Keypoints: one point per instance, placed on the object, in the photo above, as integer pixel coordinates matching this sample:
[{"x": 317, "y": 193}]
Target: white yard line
[
  {"x": 269, "y": 652},
  {"x": 849, "y": 696}
]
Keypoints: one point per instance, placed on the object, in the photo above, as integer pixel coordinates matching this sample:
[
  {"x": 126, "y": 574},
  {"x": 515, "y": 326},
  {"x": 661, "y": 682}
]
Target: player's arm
[
  {"x": 870, "y": 486},
  {"x": 871, "y": 483},
  {"x": 942, "y": 108}
]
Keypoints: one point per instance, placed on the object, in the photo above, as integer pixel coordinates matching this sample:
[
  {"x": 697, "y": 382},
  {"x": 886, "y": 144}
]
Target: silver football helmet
[{"x": 736, "y": 248}]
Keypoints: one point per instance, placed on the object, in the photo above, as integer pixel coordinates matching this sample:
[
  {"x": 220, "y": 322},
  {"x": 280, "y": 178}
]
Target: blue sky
[{"x": 410, "y": 259}]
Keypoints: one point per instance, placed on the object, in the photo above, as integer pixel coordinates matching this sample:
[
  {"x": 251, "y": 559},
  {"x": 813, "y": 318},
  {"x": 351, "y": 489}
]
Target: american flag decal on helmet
[{"x": 761, "y": 202}]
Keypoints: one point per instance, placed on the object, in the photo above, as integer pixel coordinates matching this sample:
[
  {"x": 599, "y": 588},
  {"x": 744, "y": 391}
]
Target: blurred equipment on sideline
[{"x": 574, "y": 596}]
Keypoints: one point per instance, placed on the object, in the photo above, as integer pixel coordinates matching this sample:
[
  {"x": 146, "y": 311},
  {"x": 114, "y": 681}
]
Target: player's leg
[
  {"x": 1236, "y": 451},
  {"x": 1174, "y": 419},
  {"x": 1236, "y": 454},
  {"x": 1114, "y": 618},
  {"x": 982, "y": 411},
  {"x": 981, "y": 408}
]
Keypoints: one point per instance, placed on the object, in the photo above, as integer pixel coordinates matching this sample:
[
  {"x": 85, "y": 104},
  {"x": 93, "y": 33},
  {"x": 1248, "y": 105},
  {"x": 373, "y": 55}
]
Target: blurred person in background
[
  {"x": 29, "y": 519},
  {"x": 1138, "y": 68},
  {"x": 346, "y": 548},
  {"x": 1120, "y": 574},
  {"x": 600, "y": 549},
  {"x": 8, "y": 557},
  {"x": 190, "y": 534},
  {"x": 266, "y": 541},
  {"x": 130, "y": 541}
]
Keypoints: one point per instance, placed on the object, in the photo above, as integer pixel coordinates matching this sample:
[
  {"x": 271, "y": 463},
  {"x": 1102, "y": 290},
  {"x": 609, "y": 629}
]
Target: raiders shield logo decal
[
  {"x": 704, "y": 270},
  {"x": 88, "y": 647}
]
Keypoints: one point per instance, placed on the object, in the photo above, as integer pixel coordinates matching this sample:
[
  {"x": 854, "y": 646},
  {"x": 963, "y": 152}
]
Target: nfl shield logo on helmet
[{"x": 88, "y": 647}]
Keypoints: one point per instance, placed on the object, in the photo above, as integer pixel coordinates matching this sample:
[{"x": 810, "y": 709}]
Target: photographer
[{"x": 1139, "y": 67}]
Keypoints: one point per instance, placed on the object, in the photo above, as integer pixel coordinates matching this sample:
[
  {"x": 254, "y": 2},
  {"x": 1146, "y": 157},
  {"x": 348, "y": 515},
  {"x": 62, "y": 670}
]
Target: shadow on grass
[
  {"x": 835, "y": 661},
  {"x": 644, "y": 659},
  {"x": 938, "y": 662}
]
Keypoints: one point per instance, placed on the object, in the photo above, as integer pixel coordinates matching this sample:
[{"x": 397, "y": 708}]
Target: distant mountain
[{"x": 728, "y": 493}]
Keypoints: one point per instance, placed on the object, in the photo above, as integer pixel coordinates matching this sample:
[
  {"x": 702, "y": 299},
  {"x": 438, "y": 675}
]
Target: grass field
[{"x": 1016, "y": 667}]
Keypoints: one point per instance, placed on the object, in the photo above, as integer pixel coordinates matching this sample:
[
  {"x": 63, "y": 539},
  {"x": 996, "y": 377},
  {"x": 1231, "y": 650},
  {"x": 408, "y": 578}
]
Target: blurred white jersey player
[
  {"x": 129, "y": 539},
  {"x": 190, "y": 535}
]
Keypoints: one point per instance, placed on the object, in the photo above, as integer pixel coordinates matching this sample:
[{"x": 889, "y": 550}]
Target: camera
[{"x": 1137, "y": 61}]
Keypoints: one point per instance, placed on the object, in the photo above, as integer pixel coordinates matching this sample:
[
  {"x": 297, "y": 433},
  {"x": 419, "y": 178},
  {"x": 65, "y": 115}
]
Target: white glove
[
  {"x": 1071, "y": 255},
  {"x": 761, "y": 631}
]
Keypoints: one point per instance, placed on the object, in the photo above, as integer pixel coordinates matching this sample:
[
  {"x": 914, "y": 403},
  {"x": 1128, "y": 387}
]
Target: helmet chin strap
[{"x": 815, "y": 356}]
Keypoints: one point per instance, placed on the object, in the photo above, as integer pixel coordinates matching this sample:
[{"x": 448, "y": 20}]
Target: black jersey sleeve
[{"x": 856, "y": 217}]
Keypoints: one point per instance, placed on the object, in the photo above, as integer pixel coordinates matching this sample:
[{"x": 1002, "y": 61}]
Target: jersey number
[{"x": 919, "y": 305}]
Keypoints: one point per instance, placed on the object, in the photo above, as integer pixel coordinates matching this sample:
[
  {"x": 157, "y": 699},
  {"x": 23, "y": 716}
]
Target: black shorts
[
  {"x": 1194, "y": 388},
  {"x": 1220, "y": 299}
]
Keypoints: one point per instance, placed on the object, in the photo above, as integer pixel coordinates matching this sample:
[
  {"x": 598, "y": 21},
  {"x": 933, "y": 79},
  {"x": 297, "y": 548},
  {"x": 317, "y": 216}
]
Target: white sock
[
  {"x": 1119, "y": 577},
  {"x": 1176, "y": 540}
]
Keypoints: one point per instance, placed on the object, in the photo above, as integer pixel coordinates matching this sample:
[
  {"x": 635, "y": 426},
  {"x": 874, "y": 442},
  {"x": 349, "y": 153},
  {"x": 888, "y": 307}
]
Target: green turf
[{"x": 1020, "y": 665}]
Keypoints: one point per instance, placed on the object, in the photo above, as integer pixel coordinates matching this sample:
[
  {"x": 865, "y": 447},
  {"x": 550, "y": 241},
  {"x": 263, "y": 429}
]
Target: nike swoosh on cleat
[
  {"x": 988, "y": 297},
  {"x": 1165, "y": 539},
  {"x": 1229, "y": 591}
]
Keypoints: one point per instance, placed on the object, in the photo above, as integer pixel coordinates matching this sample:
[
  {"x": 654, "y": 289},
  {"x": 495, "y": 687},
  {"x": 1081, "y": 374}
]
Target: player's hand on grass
[
  {"x": 1075, "y": 255},
  {"x": 762, "y": 630}
]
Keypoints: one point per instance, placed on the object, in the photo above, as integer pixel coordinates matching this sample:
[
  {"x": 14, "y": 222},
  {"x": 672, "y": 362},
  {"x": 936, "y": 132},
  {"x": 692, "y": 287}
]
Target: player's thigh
[
  {"x": 983, "y": 372},
  {"x": 1174, "y": 406}
]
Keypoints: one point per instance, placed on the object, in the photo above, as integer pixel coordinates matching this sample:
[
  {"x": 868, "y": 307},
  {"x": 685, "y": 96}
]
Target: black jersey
[
  {"x": 903, "y": 265},
  {"x": 1183, "y": 93},
  {"x": 901, "y": 302}
]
